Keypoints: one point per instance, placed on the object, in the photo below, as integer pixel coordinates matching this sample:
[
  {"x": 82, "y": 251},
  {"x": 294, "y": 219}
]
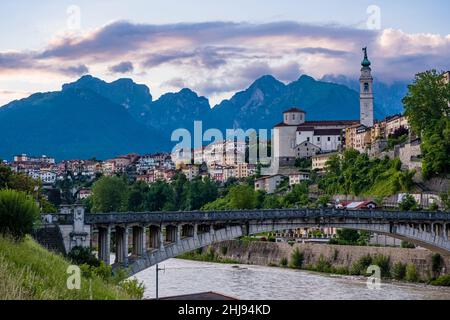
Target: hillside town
[{"x": 295, "y": 138}]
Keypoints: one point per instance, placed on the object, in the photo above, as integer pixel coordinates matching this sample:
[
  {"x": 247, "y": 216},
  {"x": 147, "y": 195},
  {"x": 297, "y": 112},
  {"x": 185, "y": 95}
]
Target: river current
[{"x": 269, "y": 283}]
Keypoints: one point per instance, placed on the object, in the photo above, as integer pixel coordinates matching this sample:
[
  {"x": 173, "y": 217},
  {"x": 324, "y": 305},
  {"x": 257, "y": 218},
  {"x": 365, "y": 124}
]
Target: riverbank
[
  {"x": 29, "y": 272},
  {"x": 412, "y": 265}
]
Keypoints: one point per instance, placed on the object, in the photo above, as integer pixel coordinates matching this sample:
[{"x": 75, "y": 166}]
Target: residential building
[
  {"x": 358, "y": 137},
  {"x": 244, "y": 170},
  {"x": 319, "y": 161},
  {"x": 269, "y": 183},
  {"x": 148, "y": 178},
  {"x": 47, "y": 177},
  {"x": 394, "y": 123},
  {"x": 410, "y": 154},
  {"x": 191, "y": 171},
  {"x": 297, "y": 178},
  {"x": 41, "y": 159},
  {"x": 84, "y": 193}
]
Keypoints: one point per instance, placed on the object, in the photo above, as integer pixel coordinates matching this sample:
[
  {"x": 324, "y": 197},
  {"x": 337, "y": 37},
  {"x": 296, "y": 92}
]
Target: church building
[{"x": 296, "y": 137}]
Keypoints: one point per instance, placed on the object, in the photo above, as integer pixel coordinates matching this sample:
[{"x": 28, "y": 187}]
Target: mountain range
[{"x": 93, "y": 118}]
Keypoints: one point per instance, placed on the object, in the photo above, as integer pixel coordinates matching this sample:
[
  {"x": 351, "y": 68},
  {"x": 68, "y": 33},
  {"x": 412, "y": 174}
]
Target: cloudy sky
[{"x": 214, "y": 47}]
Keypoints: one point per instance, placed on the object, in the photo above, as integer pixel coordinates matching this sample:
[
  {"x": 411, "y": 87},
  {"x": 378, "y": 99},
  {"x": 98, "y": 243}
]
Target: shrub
[
  {"x": 224, "y": 251},
  {"x": 335, "y": 254},
  {"x": 408, "y": 245},
  {"x": 284, "y": 262},
  {"x": 436, "y": 263},
  {"x": 411, "y": 273},
  {"x": 297, "y": 259},
  {"x": 18, "y": 214},
  {"x": 134, "y": 288},
  {"x": 360, "y": 266},
  {"x": 398, "y": 271},
  {"x": 442, "y": 281},
  {"x": 210, "y": 255},
  {"x": 81, "y": 255},
  {"x": 384, "y": 262},
  {"x": 323, "y": 265}
]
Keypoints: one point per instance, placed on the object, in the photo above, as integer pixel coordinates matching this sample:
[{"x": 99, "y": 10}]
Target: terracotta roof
[{"x": 294, "y": 110}]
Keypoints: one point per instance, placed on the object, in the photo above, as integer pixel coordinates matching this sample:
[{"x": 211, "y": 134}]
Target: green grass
[
  {"x": 386, "y": 184},
  {"x": 29, "y": 272},
  {"x": 206, "y": 256}
]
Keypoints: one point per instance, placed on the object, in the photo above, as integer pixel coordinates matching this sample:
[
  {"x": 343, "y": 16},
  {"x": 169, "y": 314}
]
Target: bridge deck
[{"x": 251, "y": 215}]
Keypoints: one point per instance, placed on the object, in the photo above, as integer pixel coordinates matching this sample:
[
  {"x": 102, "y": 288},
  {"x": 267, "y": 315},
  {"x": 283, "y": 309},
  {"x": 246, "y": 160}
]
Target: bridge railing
[{"x": 239, "y": 216}]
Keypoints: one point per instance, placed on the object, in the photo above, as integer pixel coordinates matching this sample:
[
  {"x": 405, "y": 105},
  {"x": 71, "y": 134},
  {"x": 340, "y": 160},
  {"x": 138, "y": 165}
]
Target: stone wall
[{"x": 269, "y": 253}]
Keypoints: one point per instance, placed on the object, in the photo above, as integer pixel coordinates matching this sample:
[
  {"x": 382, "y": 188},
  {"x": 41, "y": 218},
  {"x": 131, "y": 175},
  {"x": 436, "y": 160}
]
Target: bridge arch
[{"x": 434, "y": 242}]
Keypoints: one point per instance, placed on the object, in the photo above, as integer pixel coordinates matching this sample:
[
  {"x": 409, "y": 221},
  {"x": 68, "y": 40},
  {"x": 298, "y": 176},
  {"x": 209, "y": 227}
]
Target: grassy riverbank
[{"x": 29, "y": 272}]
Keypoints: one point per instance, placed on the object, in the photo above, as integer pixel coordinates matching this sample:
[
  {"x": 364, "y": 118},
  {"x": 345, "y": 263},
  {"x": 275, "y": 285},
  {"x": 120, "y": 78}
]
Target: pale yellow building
[{"x": 319, "y": 162}]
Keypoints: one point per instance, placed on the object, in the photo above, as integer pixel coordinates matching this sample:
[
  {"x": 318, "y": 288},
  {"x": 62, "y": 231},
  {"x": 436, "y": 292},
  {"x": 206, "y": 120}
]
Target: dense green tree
[
  {"x": 408, "y": 203},
  {"x": 242, "y": 197},
  {"x": 109, "y": 194},
  {"x": 297, "y": 197},
  {"x": 428, "y": 110},
  {"x": 180, "y": 186},
  {"x": 18, "y": 213},
  {"x": 136, "y": 196},
  {"x": 272, "y": 202},
  {"x": 426, "y": 103},
  {"x": 160, "y": 197}
]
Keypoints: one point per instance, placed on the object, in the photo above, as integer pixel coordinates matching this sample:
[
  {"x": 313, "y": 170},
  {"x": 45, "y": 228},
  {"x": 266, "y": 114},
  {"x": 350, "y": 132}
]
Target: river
[{"x": 269, "y": 283}]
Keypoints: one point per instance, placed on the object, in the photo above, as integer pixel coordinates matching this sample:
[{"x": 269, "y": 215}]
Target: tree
[
  {"x": 242, "y": 197},
  {"x": 136, "y": 197},
  {"x": 427, "y": 108},
  {"x": 272, "y": 202},
  {"x": 18, "y": 213},
  {"x": 160, "y": 197},
  {"x": 426, "y": 103},
  {"x": 408, "y": 203},
  {"x": 109, "y": 194},
  {"x": 298, "y": 196}
]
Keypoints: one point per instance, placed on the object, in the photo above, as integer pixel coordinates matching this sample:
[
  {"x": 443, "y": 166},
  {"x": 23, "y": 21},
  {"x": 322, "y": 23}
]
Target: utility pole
[{"x": 157, "y": 280}]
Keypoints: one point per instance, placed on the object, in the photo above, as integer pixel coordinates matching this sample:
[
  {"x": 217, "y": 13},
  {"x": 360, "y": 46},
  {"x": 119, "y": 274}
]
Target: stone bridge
[{"x": 155, "y": 237}]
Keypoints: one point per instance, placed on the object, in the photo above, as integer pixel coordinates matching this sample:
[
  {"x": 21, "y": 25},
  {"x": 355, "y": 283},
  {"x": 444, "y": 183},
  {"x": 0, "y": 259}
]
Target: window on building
[
  {"x": 307, "y": 139},
  {"x": 329, "y": 139},
  {"x": 318, "y": 139},
  {"x": 293, "y": 116},
  {"x": 366, "y": 87}
]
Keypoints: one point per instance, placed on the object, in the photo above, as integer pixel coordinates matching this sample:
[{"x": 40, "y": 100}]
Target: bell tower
[{"x": 366, "y": 92}]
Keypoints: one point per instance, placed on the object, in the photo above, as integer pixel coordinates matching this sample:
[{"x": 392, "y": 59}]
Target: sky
[{"x": 215, "y": 48}]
